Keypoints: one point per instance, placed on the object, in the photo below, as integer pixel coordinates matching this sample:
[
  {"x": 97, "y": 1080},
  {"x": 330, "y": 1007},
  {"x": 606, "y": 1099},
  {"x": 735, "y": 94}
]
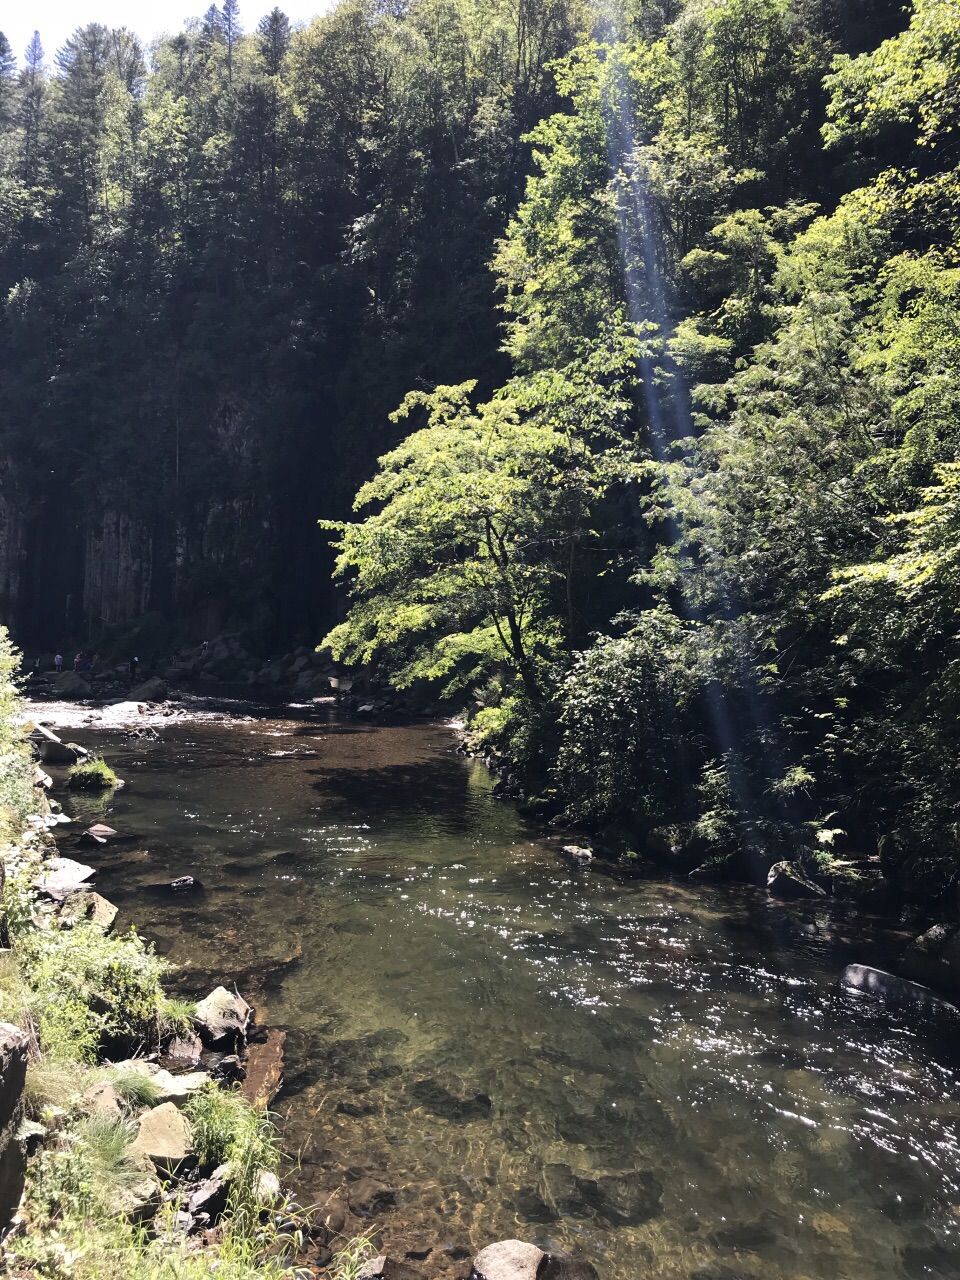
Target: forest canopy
[{"x": 650, "y": 313}]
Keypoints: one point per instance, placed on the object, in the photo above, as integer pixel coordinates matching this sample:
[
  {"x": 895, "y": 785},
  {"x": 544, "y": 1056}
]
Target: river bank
[{"x": 508, "y": 1044}]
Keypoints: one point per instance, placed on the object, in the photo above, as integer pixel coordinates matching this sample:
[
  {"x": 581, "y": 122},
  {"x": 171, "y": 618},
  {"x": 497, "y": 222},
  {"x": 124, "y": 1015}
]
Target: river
[{"x": 665, "y": 1078}]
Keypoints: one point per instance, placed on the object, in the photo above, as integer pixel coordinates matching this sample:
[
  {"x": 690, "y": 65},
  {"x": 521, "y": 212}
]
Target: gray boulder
[
  {"x": 163, "y": 1137},
  {"x": 222, "y": 1019},
  {"x": 58, "y": 752},
  {"x": 153, "y": 690},
  {"x": 507, "y": 1260},
  {"x": 62, "y": 877},
  {"x": 71, "y": 685},
  {"x": 786, "y": 880},
  {"x": 894, "y": 990}
]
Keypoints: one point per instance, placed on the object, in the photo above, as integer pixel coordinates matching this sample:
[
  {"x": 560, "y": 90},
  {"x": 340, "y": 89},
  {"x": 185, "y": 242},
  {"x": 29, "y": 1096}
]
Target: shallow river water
[{"x": 665, "y": 1078}]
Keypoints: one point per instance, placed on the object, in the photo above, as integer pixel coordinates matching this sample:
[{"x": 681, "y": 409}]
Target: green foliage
[
  {"x": 16, "y": 769},
  {"x": 91, "y": 988},
  {"x": 91, "y": 775}
]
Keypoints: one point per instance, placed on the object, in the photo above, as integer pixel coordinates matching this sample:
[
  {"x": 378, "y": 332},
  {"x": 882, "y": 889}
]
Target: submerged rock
[
  {"x": 369, "y": 1198},
  {"x": 507, "y": 1260},
  {"x": 384, "y": 1268},
  {"x": 99, "y": 833},
  {"x": 264, "y": 1069},
  {"x": 623, "y": 1199},
  {"x": 786, "y": 880}
]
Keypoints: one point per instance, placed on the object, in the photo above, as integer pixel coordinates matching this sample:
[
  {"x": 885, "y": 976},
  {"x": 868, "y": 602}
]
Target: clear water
[{"x": 665, "y": 1078}]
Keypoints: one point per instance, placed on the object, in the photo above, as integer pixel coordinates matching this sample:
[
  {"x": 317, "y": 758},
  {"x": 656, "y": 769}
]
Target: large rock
[
  {"x": 934, "y": 957},
  {"x": 222, "y": 1019},
  {"x": 170, "y": 1088},
  {"x": 63, "y": 876},
  {"x": 210, "y": 1196},
  {"x": 153, "y": 690},
  {"x": 786, "y": 880},
  {"x": 86, "y": 905},
  {"x": 507, "y": 1260},
  {"x": 894, "y": 990},
  {"x": 103, "y": 1100},
  {"x": 140, "y": 1201},
  {"x": 58, "y": 752},
  {"x": 71, "y": 685},
  {"x": 163, "y": 1137},
  {"x": 13, "y": 1162}
]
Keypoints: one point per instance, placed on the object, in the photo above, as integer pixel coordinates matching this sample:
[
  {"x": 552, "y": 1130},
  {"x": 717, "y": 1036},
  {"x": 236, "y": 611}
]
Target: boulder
[
  {"x": 170, "y": 1088},
  {"x": 71, "y": 685},
  {"x": 62, "y": 877},
  {"x": 264, "y": 1067},
  {"x": 786, "y": 880},
  {"x": 210, "y": 1195},
  {"x": 87, "y": 905},
  {"x": 222, "y": 1019},
  {"x": 185, "y": 1050},
  {"x": 894, "y": 990},
  {"x": 153, "y": 690},
  {"x": 267, "y": 1190},
  {"x": 58, "y": 753},
  {"x": 13, "y": 1159},
  {"x": 140, "y": 1201},
  {"x": 577, "y": 853},
  {"x": 103, "y": 1100},
  {"x": 507, "y": 1260},
  {"x": 163, "y": 1137},
  {"x": 934, "y": 957}
]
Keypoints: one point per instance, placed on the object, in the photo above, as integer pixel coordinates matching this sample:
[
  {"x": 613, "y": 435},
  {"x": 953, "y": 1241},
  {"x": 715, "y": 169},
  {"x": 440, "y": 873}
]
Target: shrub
[
  {"x": 16, "y": 766},
  {"x": 90, "y": 988},
  {"x": 92, "y": 775},
  {"x": 622, "y": 750}
]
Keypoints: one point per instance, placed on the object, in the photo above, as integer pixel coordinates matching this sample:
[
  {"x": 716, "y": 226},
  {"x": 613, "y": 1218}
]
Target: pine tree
[
  {"x": 8, "y": 84},
  {"x": 232, "y": 30},
  {"x": 273, "y": 32},
  {"x": 30, "y": 115}
]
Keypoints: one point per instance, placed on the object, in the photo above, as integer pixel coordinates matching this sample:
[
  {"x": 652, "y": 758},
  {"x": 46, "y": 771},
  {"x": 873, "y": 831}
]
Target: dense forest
[{"x": 651, "y": 317}]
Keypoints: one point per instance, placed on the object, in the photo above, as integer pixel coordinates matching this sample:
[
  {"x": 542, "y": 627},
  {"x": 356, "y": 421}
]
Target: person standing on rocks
[
  {"x": 134, "y": 662},
  {"x": 58, "y": 663}
]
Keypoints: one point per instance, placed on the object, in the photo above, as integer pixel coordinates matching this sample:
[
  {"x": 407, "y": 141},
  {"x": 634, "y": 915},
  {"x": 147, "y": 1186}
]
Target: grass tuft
[{"x": 91, "y": 775}]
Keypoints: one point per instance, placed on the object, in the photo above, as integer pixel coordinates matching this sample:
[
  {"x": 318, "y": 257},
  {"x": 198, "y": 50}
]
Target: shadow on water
[{"x": 666, "y": 1078}]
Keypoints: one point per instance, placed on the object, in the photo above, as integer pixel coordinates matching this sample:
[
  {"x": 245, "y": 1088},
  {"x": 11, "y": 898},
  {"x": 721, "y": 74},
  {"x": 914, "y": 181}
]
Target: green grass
[
  {"x": 91, "y": 775},
  {"x": 134, "y": 1090},
  {"x": 348, "y": 1260}
]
